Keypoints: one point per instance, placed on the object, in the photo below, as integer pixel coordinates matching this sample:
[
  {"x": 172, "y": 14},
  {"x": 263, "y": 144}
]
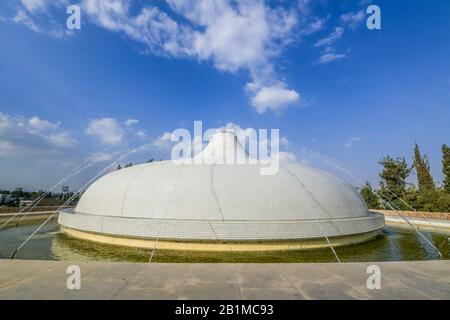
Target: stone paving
[{"x": 22, "y": 279}]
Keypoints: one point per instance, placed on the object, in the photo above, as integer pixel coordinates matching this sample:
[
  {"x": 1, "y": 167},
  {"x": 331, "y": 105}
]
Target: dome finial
[{"x": 224, "y": 147}]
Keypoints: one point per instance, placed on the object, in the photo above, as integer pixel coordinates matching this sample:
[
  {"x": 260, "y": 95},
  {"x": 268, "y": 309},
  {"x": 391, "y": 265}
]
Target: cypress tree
[
  {"x": 369, "y": 196},
  {"x": 393, "y": 179},
  {"x": 446, "y": 167},
  {"x": 422, "y": 167}
]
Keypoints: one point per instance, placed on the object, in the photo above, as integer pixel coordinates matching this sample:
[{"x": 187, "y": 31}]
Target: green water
[{"x": 49, "y": 244}]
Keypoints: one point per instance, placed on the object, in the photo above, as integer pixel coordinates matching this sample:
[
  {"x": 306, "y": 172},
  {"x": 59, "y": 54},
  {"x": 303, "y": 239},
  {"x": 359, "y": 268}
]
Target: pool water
[{"x": 393, "y": 244}]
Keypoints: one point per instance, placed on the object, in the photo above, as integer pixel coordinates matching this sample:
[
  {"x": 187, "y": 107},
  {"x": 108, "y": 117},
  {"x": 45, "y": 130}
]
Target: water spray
[{"x": 79, "y": 191}]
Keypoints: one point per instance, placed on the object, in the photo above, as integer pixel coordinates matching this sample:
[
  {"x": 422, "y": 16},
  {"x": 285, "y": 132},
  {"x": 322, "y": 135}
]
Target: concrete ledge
[
  {"x": 417, "y": 214},
  {"x": 25, "y": 217},
  {"x": 441, "y": 226},
  {"x": 21, "y": 279}
]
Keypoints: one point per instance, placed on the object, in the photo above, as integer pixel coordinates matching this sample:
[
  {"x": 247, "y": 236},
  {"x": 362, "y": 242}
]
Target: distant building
[
  {"x": 24, "y": 203},
  {"x": 65, "y": 193},
  {"x": 5, "y": 198}
]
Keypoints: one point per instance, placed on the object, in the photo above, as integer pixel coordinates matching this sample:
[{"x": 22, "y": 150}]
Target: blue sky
[{"x": 343, "y": 96}]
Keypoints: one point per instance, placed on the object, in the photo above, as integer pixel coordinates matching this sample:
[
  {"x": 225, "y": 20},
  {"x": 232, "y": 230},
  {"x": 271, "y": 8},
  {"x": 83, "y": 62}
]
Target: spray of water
[
  {"x": 363, "y": 177},
  {"x": 88, "y": 162},
  {"x": 397, "y": 210},
  {"x": 36, "y": 201},
  {"x": 79, "y": 191},
  {"x": 411, "y": 208}
]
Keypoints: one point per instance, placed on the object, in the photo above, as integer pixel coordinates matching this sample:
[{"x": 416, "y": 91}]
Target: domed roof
[
  {"x": 221, "y": 191},
  {"x": 211, "y": 199}
]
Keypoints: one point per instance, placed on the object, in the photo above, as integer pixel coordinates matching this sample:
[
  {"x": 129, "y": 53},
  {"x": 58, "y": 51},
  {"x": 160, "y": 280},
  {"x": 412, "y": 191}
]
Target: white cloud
[
  {"x": 287, "y": 156},
  {"x": 305, "y": 6},
  {"x": 141, "y": 134},
  {"x": 131, "y": 127},
  {"x": 36, "y": 15},
  {"x": 319, "y": 160},
  {"x": 313, "y": 27},
  {"x": 22, "y": 17},
  {"x": 335, "y": 35},
  {"x": 234, "y": 35},
  {"x": 25, "y": 137},
  {"x": 152, "y": 27},
  {"x": 7, "y": 148},
  {"x": 34, "y": 5},
  {"x": 107, "y": 130},
  {"x": 352, "y": 141},
  {"x": 284, "y": 141},
  {"x": 330, "y": 57},
  {"x": 241, "y": 36},
  {"x": 62, "y": 139},
  {"x": 164, "y": 141},
  {"x": 352, "y": 19},
  {"x": 101, "y": 157},
  {"x": 131, "y": 122},
  {"x": 38, "y": 124},
  {"x": 274, "y": 98}
]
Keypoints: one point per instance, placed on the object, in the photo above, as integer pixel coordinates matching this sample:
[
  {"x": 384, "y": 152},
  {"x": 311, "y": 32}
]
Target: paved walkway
[{"x": 21, "y": 279}]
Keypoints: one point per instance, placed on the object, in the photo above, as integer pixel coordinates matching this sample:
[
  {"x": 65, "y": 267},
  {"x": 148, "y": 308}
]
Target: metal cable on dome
[
  {"x": 213, "y": 191},
  {"x": 209, "y": 222},
  {"x": 314, "y": 217},
  {"x": 219, "y": 207},
  {"x": 155, "y": 242},
  {"x": 328, "y": 240}
]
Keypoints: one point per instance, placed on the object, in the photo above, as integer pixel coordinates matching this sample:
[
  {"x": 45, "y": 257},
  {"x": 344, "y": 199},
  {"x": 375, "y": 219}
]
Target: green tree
[
  {"x": 446, "y": 167},
  {"x": 393, "y": 179},
  {"x": 369, "y": 196},
  {"x": 444, "y": 201},
  {"x": 410, "y": 196},
  {"x": 422, "y": 167},
  {"x": 428, "y": 200},
  {"x": 119, "y": 167}
]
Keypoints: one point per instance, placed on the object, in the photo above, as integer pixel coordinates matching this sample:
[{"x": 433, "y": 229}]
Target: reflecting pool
[{"x": 393, "y": 244}]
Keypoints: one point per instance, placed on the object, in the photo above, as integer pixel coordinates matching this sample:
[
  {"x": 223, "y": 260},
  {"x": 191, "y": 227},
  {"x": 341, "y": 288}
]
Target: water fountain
[{"x": 217, "y": 206}]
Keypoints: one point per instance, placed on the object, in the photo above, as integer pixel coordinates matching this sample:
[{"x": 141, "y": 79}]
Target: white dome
[
  {"x": 223, "y": 201},
  {"x": 164, "y": 190}
]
